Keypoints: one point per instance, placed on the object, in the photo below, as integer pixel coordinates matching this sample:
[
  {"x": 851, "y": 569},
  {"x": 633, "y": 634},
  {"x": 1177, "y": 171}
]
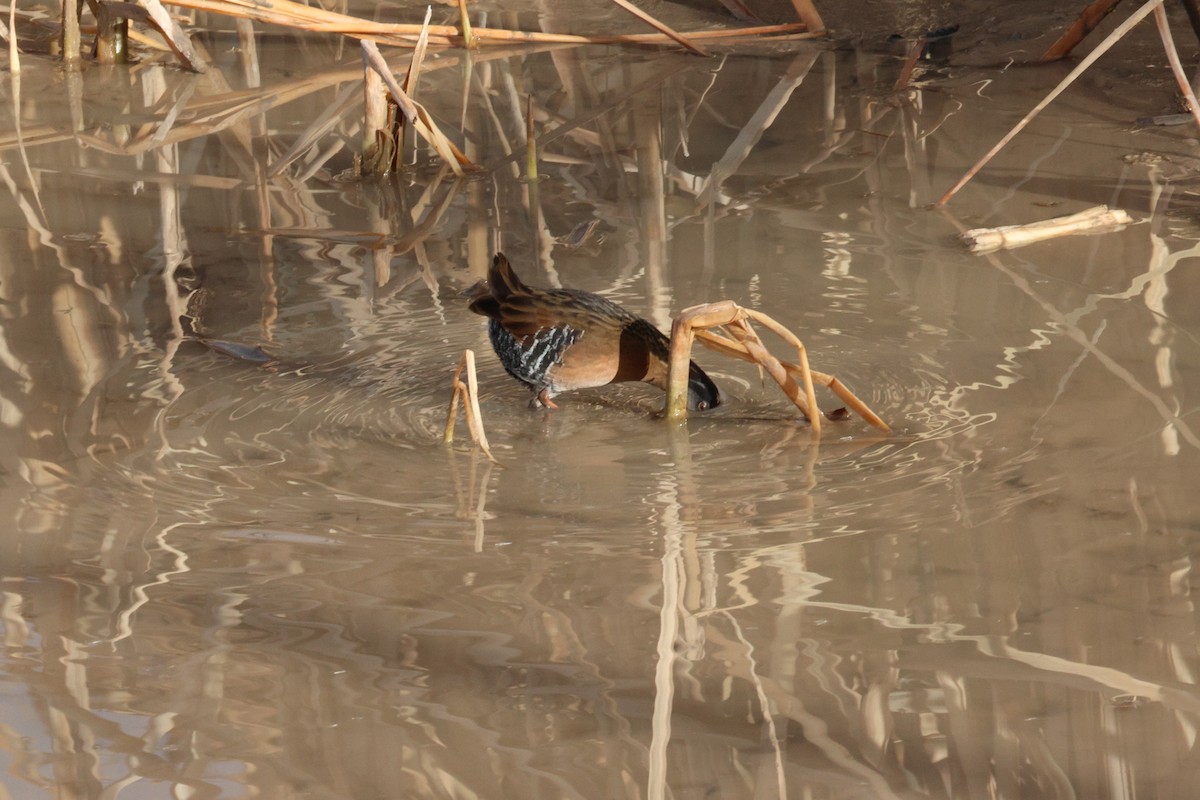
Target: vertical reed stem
[
  {"x": 677, "y": 370},
  {"x": 70, "y": 31},
  {"x": 531, "y": 161}
]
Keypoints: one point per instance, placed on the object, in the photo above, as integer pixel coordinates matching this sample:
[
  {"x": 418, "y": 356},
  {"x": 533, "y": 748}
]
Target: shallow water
[{"x": 222, "y": 579}]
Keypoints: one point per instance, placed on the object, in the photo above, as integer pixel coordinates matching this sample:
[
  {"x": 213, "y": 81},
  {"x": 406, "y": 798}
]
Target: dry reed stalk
[
  {"x": 814, "y": 412},
  {"x": 468, "y": 39},
  {"x": 531, "y": 160},
  {"x": 1100, "y": 50},
  {"x": 746, "y": 344},
  {"x": 1164, "y": 31},
  {"x": 469, "y": 394},
  {"x": 737, "y": 349},
  {"x": 297, "y": 15},
  {"x": 416, "y": 114},
  {"x": 70, "y": 31},
  {"x": 659, "y": 26},
  {"x": 112, "y": 30},
  {"x": 1098, "y": 218},
  {"x": 410, "y": 82},
  {"x": 1087, "y": 20},
  {"x": 808, "y": 15},
  {"x": 14, "y": 54},
  {"x": 418, "y": 56},
  {"x": 378, "y": 148},
  {"x": 174, "y": 35}
]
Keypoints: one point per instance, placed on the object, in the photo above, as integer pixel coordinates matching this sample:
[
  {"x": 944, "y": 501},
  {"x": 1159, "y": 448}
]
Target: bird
[{"x": 559, "y": 340}]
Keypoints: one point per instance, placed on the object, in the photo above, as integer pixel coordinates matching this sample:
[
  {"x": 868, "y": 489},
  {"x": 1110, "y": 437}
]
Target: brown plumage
[{"x": 557, "y": 340}]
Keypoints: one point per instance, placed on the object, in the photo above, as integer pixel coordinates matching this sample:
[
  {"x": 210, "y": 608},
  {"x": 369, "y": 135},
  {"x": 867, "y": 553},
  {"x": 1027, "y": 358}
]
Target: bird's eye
[{"x": 702, "y": 405}]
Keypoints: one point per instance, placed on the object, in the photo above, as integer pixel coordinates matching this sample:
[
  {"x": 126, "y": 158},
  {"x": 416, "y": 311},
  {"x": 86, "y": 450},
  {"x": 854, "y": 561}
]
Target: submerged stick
[
  {"x": 1087, "y": 20},
  {"x": 1100, "y": 50},
  {"x": 1099, "y": 218}
]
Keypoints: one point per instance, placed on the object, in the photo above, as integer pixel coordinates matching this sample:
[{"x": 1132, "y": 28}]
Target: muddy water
[{"x": 223, "y": 579}]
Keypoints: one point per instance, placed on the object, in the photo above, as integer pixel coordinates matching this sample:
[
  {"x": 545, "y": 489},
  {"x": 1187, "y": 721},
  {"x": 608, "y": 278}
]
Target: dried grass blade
[
  {"x": 661, "y": 27},
  {"x": 412, "y": 76},
  {"x": 418, "y": 56},
  {"x": 1100, "y": 50},
  {"x": 531, "y": 159}
]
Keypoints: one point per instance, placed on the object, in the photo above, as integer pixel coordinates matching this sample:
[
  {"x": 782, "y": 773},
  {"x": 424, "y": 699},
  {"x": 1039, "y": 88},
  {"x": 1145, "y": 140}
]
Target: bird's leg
[{"x": 542, "y": 399}]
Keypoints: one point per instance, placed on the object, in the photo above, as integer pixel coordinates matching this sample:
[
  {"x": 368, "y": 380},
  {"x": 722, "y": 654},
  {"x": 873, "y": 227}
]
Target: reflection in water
[{"x": 223, "y": 577}]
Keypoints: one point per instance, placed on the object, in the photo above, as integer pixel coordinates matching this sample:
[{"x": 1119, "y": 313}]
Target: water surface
[{"x": 223, "y": 579}]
